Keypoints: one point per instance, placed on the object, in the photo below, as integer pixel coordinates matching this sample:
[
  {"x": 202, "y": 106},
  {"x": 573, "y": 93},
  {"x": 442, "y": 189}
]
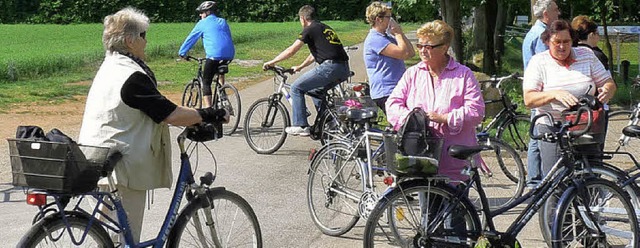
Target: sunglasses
[
  {"x": 427, "y": 46},
  {"x": 143, "y": 35}
]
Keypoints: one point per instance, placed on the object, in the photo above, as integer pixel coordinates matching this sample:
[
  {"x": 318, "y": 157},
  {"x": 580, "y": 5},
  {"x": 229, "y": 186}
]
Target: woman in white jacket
[{"x": 125, "y": 111}]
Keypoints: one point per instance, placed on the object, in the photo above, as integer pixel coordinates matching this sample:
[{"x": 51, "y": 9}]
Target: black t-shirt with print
[
  {"x": 323, "y": 42},
  {"x": 139, "y": 92}
]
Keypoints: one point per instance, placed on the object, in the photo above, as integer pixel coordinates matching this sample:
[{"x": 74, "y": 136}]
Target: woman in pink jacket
[{"x": 445, "y": 89}]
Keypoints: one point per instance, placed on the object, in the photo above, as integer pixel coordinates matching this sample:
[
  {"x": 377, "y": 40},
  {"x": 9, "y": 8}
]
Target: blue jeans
[
  {"x": 533, "y": 156},
  {"x": 327, "y": 73}
]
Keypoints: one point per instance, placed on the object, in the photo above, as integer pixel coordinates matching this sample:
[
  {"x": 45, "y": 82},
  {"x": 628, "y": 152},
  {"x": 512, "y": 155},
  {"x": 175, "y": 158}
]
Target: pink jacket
[{"x": 456, "y": 92}]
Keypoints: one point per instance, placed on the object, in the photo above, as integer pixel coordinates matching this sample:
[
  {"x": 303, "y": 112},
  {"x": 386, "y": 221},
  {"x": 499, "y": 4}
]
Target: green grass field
[{"x": 41, "y": 62}]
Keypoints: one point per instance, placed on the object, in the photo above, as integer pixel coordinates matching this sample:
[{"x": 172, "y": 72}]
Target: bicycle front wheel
[
  {"x": 192, "y": 95},
  {"x": 502, "y": 174},
  {"x": 264, "y": 126},
  {"x": 234, "y": 224},
  {"x": 515, "y": 133},
  {"x": 597, "y": 213},
  {"x": 417, "y": 214},
  {"x": 599, "y": 169},
  {"x": 334, "y": 189},
  {"x": 229, "y": 99},
  {"x": 332, "y": 128},
  {"x": 53, "y": 232}
]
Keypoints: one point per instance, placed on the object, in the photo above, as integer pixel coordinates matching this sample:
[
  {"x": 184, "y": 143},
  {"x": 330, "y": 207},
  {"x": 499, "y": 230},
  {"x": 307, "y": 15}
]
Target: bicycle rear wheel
[
  {"x": 616, "y": 122},
  {"x": 400, "y": 217},
  {"x": 264, "y": 126},
  {"x": 234, "y": 224},
  {"x": 53, "y": 232},
  {"x": 229, "y": 99},
  {"x": 334, "y": 189},
  {"x": 502, "y": 175},
  {"x": 597, "y": 214},
  {"x": 192, "y": 95}
]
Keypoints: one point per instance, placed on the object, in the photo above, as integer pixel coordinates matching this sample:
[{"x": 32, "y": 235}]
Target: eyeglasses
[
  {"x": 427, "y": 46},
  {"x": 143, "y": 35},
  {"x": 561, "y": 42}
]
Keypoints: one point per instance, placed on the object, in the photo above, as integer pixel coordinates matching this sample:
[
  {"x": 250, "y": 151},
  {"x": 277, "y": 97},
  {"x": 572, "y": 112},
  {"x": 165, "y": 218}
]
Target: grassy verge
[{"x": 42, "y": 63}]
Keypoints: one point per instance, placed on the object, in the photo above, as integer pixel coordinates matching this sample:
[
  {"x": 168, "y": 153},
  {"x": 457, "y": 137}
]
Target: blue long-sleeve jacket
[{"x": 216, "y": 38}]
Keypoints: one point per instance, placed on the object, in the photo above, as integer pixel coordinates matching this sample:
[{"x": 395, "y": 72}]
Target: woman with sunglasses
[
  {"x": 445, "y": 89},
  {"x": 385, "y": 49}
]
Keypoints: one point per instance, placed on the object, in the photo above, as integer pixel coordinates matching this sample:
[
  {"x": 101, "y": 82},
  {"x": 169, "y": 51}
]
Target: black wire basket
[{"x": 56, "y": 167}]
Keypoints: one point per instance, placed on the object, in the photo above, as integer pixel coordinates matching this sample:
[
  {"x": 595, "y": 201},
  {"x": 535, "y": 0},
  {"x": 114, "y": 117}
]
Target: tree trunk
[
  {"x": 488, "y": 62},
  {"x": 501, "y": 24},
  {"x": 607, "y": 42},
  {"x": 479, "y": 28},
  {"x": 451, "y": 14},
  {"x": 533, "y": 17}
]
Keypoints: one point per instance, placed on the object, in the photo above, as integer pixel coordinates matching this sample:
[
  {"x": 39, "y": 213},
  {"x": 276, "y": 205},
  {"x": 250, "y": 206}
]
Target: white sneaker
[{"x": 302, "y": 131}]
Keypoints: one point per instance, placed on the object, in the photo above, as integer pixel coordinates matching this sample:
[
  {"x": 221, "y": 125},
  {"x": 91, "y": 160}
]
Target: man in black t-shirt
[{"x": 327, "y": 50}]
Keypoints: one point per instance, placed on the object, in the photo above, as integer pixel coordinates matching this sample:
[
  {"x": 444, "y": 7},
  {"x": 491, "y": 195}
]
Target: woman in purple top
[
  {"x": 445, "y": 89},
  {"x": 385, "y": 49}
]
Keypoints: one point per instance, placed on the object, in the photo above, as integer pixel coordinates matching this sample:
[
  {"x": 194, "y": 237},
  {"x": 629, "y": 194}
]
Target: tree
[{"x": 451, "y": 15}]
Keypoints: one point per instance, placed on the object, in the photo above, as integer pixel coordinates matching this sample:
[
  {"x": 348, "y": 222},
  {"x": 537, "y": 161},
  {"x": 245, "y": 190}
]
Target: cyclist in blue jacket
[{"x": 218, "y": 45}]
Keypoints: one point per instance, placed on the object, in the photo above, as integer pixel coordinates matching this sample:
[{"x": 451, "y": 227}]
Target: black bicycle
[
  {"x": 225, "y": 95},
  {"x": 508, "y": 125},
  {"x": 267, "y": 118},
  {"x": 431, "y": 212}
]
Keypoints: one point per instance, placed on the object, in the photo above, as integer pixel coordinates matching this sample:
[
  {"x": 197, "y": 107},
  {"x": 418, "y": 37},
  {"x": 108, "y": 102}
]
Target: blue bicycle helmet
[{"x": 206, "y": 5}]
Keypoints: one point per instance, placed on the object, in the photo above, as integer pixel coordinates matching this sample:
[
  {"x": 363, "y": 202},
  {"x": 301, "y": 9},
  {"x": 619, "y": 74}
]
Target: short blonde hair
[
  {"x": 436, "y": 30},
  {"x": 376, "y": 9},
  {"x": 128, "y": 22}
]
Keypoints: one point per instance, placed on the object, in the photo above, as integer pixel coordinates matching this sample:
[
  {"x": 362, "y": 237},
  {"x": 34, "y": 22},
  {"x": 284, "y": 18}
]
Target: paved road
[{"x": 274, "y": 185}]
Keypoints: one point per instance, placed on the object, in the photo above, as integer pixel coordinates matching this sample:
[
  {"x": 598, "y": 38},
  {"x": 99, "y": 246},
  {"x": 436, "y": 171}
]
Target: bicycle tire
[
  {"x": 52, "y": 232},
  {"x": 256, "y": 135},
  {"x": 229, "y": 98},
  {"x": 502, "y": 173},
  {"x": 610, "y": 209},
  {"x": 324, "y": 180},
  {"x": 244, "y": 223},
  {"x": 603, "y": 170},
  {"x": 515, "y": 132},
  {"x": 192, "y": 95},
  {"x": 392, "y": 223}
]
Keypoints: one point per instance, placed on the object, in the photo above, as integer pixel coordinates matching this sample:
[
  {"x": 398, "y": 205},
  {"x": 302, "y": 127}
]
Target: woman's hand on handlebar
[
  {"x": 566, "y": 98},
  {"x": 212, "y": 115},
  {"x": 296, "y": 68},
  {"x": 267, "y": 65}
]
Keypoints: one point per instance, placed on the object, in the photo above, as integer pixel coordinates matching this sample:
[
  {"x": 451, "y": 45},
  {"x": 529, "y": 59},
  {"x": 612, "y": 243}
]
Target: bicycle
[
  {"x": 341, "y": 189},
  {"x": 267, "y": 118},
  {"x": 225, "y": 95},
  {"x": 508, "y": 124},
  {"x": 442, "y": 214},
  {"x": 203, "y": 221}
]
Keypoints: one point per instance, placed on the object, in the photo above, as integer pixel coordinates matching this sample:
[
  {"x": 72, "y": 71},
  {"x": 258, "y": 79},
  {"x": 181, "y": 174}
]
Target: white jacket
[{"x": 108, "y": 121}]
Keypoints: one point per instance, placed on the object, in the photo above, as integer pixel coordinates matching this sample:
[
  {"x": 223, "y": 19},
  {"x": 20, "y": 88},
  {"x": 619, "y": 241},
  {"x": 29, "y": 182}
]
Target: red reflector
[
  {"x": 37, "y": 199},
  {"x": 358, "y": 87},
  {"x": 388, "y": 181}
]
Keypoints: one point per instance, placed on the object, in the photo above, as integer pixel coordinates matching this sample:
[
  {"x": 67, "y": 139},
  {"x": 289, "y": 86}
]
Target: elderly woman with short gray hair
[{"x": 125, "y": 111}]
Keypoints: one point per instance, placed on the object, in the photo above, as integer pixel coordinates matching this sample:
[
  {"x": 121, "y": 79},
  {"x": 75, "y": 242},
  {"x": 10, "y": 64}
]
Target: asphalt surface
[{"x": 274, "y": 185}]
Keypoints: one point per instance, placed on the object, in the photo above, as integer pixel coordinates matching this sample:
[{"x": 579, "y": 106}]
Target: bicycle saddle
[
  {"x": 361, "y": 114},
  {"x": 465, "y": 152},
  {"x": 632, "y": 131}
]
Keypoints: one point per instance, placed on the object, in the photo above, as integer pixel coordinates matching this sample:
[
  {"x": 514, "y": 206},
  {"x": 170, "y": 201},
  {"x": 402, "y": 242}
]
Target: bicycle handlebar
[
  {"x": 281, "y": 71},
  {"x": 551, "y": 137},
  {"x": 498, "y": 80}
]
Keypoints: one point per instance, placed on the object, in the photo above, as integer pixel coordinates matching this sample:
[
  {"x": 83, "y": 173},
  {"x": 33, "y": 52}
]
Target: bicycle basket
[
  {"x": 595, "y": 135},
  {"x": 402, "y": 165},
  {"x": 55, "y": 166}
]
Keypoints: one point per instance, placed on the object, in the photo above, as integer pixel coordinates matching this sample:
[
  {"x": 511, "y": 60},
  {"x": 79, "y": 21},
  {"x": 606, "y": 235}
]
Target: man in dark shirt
[{"x": 327, "y": 50}]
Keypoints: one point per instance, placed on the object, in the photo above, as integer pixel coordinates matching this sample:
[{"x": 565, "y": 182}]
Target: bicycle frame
[{"x": 184, "y": 184}]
